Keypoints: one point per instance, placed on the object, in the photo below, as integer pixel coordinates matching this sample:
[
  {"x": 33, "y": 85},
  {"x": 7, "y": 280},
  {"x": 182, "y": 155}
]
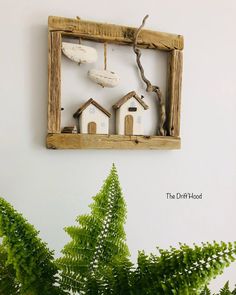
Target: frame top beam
[{"x": 103, "y": 32}]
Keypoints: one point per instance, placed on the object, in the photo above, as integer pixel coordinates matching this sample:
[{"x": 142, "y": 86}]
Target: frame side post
[
  {"x": 174, "y": 84},
  {"x": 54, "y": 82}
]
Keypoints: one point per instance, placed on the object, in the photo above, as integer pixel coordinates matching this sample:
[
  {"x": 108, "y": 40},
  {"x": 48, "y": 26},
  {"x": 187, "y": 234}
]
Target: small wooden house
[
  {"x": 93, "y": 118},
  {"x": 129, "y": 114}
]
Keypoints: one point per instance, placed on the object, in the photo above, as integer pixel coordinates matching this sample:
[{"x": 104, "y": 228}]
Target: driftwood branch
[{"x": 149, "y": 86}]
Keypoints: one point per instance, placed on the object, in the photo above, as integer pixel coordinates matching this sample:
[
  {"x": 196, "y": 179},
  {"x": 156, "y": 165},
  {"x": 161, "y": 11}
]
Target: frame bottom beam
[{"x": 97, "y": 141}]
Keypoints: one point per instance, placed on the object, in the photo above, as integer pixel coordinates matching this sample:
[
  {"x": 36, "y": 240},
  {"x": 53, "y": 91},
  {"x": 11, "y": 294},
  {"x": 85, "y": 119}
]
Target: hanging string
[
  {"x": 105, "y": 56},
  {"x": 79, "y": 42}
]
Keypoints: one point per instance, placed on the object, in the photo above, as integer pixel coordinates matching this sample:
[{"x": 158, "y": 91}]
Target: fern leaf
[
  {"x": 32, "y": 261},
  {"x": 182, "y": 271},
  {"x": 97, "y": 240},
  {"x": 119, "y": 278},
  {"x": 225, "y": 290},
  {"x": 206, "y": 291},
  {"x": 8, "y": 283},
  {"x": 234, "y": 291}
]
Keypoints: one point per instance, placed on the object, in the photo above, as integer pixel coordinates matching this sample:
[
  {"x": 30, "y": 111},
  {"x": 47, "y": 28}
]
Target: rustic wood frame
[{"x": 99, "y": 32}]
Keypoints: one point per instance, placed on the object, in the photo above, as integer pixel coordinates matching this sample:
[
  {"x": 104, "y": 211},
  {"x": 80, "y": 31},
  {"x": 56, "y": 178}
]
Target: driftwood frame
[{"x": 59, "y": 27}]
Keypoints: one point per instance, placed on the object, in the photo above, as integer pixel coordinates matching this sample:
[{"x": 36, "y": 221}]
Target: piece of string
[
  {"x": 79, "y": 42},
  {"x": 105, "y": 56}
]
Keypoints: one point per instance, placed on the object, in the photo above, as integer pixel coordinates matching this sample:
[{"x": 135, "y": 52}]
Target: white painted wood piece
[
  {"x": 93, "y": 118},
  {"x": 138, "y": 117},
  {"x": 93, "y": 114},
  {"x": 74, "y": 131},
  {"x": 104, "y": 78},
  {"x": 79, "y": 53}
]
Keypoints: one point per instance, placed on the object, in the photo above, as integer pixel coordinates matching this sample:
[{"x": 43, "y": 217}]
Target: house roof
[
  {"x": 127, "y": 97},
  {"x": 85, "y": 105}
]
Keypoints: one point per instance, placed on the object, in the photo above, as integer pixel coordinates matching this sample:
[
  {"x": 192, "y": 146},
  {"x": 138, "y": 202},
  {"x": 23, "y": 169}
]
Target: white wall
[{"x": 52, "y": 187}]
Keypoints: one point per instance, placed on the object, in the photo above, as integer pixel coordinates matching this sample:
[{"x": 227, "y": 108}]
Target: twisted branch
[{"x": 150, "y": 87}]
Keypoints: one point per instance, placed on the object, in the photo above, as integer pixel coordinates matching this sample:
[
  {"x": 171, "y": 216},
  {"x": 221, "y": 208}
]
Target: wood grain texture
[
  {"x": 175, "y": 65},
  {"x": 125, "y": 98},
  {"x": 58, "y": 27},
  {"x": 86, "y": 104},
  {"x": 129, "y": 122},
  {"x": 102, "y": 32},
  {"x": 54, "y": 82},
  {"x": 92, "y": 128},
  {"x": 69, "y": 129},
  {"x": 87, "y": 141}
]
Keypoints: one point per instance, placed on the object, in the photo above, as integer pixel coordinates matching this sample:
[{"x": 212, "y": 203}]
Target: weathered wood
[
  {"x": 149, "y": 87},
  {"x": 54, "y": 83},
  {"x": 104, "y": 78},
  {"x": 86, "y": 104},
  {"x": 102, "y": 32},
  {"x": 79, "y": 53},
  {"x": 125, "y": 98},
  {"x": 87, "y": 141},
  {"x": 69, "y": 129},
  {"x": 59, "y": 27},
  {"x": 175, "y": 65},
  {"x": 92, "y": 128},
  {"x": 129, "y": 122}
]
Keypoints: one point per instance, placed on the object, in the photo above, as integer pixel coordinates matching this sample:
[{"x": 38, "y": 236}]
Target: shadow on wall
[{"x": 38, "y": 52}]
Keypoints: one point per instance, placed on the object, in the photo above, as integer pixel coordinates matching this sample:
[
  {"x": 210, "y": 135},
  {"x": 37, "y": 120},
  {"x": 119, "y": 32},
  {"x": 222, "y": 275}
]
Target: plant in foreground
[
  {"x": 96, "y": 260},
  {"x": 8, "y": 283},
  {"x": 31, "y": 260},
  {"x": 97, "y": 241},
  {"x": 224, "y": 291},
  {"x": 182, "y": 271}
]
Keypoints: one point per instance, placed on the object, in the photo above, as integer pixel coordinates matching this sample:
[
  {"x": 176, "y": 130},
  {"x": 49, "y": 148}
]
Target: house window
[{"x": 132, "y": 107}]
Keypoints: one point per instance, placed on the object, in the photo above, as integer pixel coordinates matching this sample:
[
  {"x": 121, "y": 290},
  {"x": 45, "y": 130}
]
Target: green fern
[
  {"x": 119, "y": 278},
  {"x": 96, "y": 261},
  {"x": 97, "y": 241},
  {"x": 234, "y": 291},
  {"x": 27, "y": 254},
  {"x": 225, "y": 290},
  {"x": 8, "y": 283},
  {"x": 206, "y": 291},
  {"x": 182, "y": 271}
]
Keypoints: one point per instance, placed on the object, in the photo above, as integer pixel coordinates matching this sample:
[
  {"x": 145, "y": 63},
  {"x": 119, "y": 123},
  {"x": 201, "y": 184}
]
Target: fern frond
[
  {"x": 182, "y": 271},
  {"x": 29, "y": 256},
  {"x": 8, "y": 283},
  {"x": 119, "y": 277},
  {"x": 234, "y": 291},
  {"x": 206, "y": 291},
  {"x": 97, "y": 240},
  {"x": 225, "y": 290}
]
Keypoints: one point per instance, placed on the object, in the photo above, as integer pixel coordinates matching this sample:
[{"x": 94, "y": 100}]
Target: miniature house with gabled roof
[
  {"x": 129, "y": 114},
  {"x": 93, "y": 118}
]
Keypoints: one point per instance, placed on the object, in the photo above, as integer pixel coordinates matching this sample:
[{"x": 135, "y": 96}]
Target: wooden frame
[{"x": 59, "y": 27}]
